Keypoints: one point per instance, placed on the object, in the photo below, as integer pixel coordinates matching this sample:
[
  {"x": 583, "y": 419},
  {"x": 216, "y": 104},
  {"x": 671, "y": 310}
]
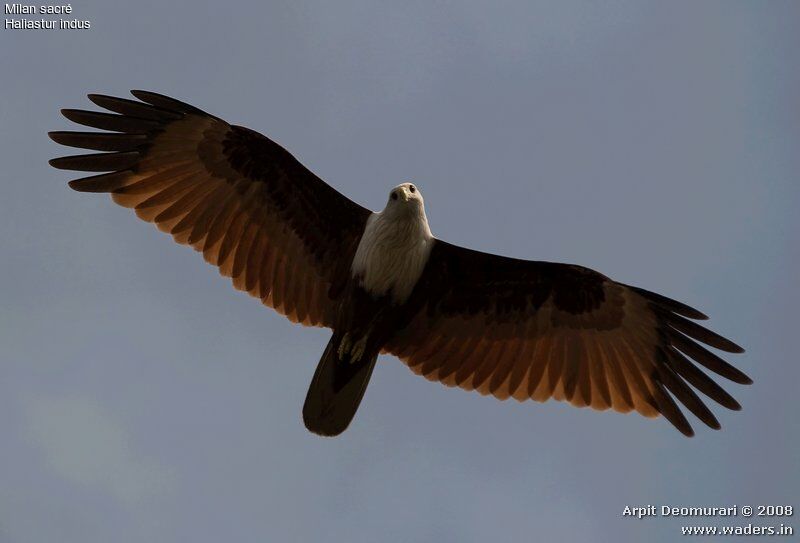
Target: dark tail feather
[{"x": 336, "y": 390}]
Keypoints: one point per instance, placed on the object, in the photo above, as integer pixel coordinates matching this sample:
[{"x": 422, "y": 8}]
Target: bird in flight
[{"x": 384, "y": 284}]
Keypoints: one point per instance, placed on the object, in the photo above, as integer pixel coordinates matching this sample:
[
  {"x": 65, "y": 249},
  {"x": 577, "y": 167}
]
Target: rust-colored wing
[
  {"x": 275, "y": 228},
  {"x": 540, "y": 330}
]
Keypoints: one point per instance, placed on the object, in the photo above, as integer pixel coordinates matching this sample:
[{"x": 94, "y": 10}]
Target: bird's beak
[{"x": 406, "y": 195}]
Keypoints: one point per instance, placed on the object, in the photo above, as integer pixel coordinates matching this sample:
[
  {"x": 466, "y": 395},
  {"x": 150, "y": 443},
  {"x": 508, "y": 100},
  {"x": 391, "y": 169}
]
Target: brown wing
[
  {"x": 540, "y": 330},
  {"x": 280, "y": 232}
]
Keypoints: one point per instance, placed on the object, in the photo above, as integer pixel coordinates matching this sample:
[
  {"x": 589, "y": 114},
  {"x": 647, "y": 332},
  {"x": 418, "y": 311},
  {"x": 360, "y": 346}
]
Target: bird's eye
[
  {"x": 412, "y": 189},
  {"x": 394, "y": 196}
]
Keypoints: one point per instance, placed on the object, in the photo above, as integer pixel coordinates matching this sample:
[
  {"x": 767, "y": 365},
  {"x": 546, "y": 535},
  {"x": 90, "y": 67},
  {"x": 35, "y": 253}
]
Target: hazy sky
[{"x": 142, "y": 398}]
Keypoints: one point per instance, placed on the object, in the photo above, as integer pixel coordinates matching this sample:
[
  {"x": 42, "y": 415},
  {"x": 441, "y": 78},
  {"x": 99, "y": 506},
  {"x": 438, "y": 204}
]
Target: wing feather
[
  {"x": 250, "y": 207},
  {"x": 498, "y": 384},
  {"x": 539, "y": 330}
]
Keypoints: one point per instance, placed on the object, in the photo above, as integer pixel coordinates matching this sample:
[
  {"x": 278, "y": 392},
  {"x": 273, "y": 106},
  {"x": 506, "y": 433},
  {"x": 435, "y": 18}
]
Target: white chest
[{"x": 392, "y": 255}]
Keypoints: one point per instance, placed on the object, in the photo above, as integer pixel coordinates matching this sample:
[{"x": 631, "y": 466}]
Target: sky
[{"x": 142, "y": 398}]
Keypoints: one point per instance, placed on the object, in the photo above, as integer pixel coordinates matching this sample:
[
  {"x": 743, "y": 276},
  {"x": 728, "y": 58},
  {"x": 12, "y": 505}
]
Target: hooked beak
[{"x": 405, "y": 194}]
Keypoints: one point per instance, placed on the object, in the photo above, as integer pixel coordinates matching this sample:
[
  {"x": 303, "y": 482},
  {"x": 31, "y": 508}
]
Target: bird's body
[
  {"x": 394, "y": 247},
  {"x": 389, "y": 260},
  {"x": 383, "y": 283}
]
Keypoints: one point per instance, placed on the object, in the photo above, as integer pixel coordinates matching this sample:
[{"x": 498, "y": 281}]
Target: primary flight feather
[{"x": 383, "y": 283}]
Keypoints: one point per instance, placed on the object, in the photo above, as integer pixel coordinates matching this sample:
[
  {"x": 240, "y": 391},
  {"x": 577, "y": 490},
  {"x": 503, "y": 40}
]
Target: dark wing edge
[
  {"x": 541, "y": 330},
  {"x": 281, "y": 233}
]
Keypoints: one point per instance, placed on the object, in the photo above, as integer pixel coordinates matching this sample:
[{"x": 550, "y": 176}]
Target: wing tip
[
  {"x": 102, "y": 100},
  {"x": 669, "y": 304},
  {"x": 106, "y": 182},
  {"x": 75, "y": 185},
  {"x": 747, "y": 380},
  {"x": 168, "y": 103},
  {"x": 736, "y": 349}
]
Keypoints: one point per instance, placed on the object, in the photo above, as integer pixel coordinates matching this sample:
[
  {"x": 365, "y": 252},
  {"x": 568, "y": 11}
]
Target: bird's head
[{"x": 405, "y": 198}]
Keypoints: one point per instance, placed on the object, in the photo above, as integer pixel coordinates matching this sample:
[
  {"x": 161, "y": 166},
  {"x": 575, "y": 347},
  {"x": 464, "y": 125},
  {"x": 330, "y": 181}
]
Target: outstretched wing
[
  {"x": 540, "y": 330},
  {"x": 280, "y": 232}
]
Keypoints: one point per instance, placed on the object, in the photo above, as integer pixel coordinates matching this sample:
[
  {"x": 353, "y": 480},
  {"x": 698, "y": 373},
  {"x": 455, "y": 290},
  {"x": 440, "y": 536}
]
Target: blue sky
[{"x": 143, "y": 398}]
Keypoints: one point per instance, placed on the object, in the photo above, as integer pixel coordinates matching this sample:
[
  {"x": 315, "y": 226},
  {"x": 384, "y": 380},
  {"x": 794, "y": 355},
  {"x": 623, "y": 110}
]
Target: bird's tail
[{"x": 336, "y": 389}]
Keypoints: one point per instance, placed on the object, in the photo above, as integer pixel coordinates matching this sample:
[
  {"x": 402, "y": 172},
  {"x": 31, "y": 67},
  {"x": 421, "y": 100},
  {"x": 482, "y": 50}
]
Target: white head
[{"x": 405, "y": 200}]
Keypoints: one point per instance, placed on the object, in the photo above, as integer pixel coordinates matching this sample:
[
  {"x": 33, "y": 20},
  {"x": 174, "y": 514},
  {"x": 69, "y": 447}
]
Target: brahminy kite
[{"x": 384, "y": 284}]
